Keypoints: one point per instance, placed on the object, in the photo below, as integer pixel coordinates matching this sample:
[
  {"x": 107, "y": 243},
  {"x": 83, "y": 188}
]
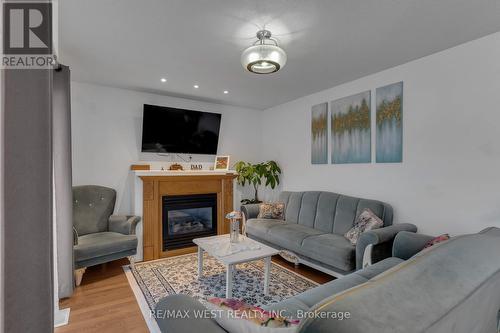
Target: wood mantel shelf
[
  {"x": 157, "y": 184},
  {"x": 174, "y": 173}
]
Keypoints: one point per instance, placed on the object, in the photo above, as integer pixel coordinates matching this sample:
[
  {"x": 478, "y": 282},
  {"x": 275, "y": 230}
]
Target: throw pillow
[
  {"x": 367, "y": 220},
  {"x": 290, "y": 256},
  {"x": 236, "y": 316},
  {"x": 436, "y": 240},
  {"x": 271, "y": 210}
]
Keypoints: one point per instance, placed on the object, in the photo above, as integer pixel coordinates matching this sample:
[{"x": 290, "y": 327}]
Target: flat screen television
[{"x": 172, "y": 130}]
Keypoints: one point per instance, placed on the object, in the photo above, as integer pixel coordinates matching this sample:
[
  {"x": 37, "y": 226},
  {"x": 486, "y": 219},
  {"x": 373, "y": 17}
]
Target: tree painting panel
[
  {"x": 351, "y": 129},
  {"x": 319, "y": 134},
  {"x": 390, "y": 123}
]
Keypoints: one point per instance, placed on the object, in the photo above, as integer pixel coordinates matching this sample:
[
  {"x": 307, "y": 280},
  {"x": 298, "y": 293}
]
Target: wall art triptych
[
  {"x": 319, "y": 134},
  {"x": 351, "y": 129},
  {"x": 389, "y": 124},
  {"x": 350, "y": 126}
]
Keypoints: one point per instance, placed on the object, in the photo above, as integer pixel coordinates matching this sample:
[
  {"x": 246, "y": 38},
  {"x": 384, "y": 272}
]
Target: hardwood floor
[
  {"x": 305, "y": 271},
  {"x": 104, "y": 301}
]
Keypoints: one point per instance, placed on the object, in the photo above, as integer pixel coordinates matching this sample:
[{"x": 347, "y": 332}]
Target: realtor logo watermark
[{"x": 27, "y": 35}]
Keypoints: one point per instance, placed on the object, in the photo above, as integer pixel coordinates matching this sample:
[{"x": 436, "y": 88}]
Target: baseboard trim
[{"x": 61, "y": 317}]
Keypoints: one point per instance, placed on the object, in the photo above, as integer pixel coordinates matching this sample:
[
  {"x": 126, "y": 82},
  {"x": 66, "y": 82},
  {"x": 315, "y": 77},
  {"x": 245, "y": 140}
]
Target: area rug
[{"x": 179, "y": 275}]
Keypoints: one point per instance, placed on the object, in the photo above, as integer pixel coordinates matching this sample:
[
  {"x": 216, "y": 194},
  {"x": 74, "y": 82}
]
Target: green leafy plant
[{"x": 254, "y": 174}]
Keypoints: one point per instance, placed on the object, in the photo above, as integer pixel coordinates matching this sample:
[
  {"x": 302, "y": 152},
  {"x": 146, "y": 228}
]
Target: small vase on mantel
[{"x": 234, "y": 233}]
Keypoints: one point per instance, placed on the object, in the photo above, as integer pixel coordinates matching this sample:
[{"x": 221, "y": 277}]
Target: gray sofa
[
  {"x": 99, "y": 236},
  {"x": 450, "y": 287},
  {"x": 405, "y": 245},
  {"x": 314, "y": 228}
]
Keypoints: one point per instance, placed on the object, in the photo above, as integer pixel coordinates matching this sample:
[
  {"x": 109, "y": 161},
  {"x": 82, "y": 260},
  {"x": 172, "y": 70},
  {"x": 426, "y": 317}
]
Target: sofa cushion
[
  {"x": 331, "y": 249},
  {"x": 102, "y": 244},
  {"x": 367, "y": 220},
  {"x": 330, "y": 212},
  {"x": 293, "y": 202},
  {"x": 327, "y": 203},
  {"x": 380, "y": 267},
  {"x": 236, "y": 316},
  {"x": 92, "y": 206},
  {"x": 288, "y": 307},
  {"x": 180, "y": 303},
  {"x": 313, "y": 296},
  {"x": 308, "y": 208},
  {"x": 272, "y": 210},
  {"x": 345, "y": 214},
  {"x": 437, "y": 240},
  {"x": 260, "y": 227},
  {"x": 319, "y": 293},
  {"x": 290, "y": 236}
]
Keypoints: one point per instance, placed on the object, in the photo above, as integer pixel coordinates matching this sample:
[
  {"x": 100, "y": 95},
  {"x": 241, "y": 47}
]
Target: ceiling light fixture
[
  {"x": 226, "y": 92},
  {"x": 264, "y": 56},
  {"x": 163, "y": 80},
  {"x": 196, "y": 86}
]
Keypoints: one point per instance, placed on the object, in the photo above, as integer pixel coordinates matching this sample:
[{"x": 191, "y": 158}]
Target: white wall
[
  {"x": 2, "y": 223},
  {"x": 449, "y": 180},
  {"x": 107, "y": 129}
]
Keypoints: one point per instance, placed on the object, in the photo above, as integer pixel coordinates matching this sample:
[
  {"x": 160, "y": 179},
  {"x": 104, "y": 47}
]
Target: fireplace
[
  {"x": 159, "y": 184},
  {"x": 186, "y": 217}
]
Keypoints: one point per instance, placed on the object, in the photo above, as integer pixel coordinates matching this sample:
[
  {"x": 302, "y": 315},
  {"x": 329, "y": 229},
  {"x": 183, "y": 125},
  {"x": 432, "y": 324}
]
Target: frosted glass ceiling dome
[{"x": 264, "y": 56}]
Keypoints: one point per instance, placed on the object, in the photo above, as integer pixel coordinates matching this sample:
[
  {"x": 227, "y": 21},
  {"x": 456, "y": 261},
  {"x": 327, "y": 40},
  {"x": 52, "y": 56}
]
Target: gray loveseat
[
  {"x": 314, "y": 228},
  {"x": 451, "y": 287}
]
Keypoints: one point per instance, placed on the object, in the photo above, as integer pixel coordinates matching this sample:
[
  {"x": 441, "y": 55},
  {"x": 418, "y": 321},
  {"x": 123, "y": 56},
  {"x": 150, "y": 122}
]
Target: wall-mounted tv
[{"x": 172, "y": 130}]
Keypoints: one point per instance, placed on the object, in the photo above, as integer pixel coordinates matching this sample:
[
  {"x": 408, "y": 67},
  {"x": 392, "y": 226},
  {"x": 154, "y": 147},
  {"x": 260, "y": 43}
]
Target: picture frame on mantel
[{"x": 221, "y": 163}]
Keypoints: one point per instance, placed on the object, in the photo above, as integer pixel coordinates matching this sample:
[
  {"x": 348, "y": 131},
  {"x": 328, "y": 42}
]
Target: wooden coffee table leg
[
  {"x": 200, "y": 262},
  {"x": 267, "y": 271},
  {"x": 229, "y": 281}
]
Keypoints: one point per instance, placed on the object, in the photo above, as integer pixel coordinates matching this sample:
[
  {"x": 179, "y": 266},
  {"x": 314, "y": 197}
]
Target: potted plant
[{"x": 253, "y": 174}]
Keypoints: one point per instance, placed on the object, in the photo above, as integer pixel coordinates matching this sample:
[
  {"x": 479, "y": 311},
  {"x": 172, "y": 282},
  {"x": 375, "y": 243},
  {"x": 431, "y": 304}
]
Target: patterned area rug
[{"x": 179, "y": 275}]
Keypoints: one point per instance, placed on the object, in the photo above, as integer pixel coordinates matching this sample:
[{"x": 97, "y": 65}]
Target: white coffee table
[{"x": 230, "y": 261}]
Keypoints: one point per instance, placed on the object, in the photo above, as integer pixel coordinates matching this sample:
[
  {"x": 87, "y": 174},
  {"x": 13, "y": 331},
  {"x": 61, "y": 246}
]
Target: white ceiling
[{"x": 134, "y": 43}]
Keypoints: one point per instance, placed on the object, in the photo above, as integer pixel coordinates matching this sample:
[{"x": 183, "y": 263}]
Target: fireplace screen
[{"x": 186, "y": 217}]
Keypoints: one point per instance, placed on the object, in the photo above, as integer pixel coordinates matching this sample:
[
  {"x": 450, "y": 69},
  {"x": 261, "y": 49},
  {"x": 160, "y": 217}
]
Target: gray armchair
[{"x": 99, "y": 236}]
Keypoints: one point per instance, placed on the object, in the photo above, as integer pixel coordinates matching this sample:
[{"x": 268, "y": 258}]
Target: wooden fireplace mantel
[{"x": 158, "y": 184}]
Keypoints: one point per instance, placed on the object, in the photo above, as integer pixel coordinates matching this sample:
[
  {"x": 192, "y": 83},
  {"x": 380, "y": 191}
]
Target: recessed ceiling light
[
  {"x": 196, "y": 86},
  {"x": 226, "y": 92},
  {"x": 163, "y": 80}
]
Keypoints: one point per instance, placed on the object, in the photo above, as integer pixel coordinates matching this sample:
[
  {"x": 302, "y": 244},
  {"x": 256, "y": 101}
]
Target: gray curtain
[
  {"x": 61, "y": 136},
  {"x": 27, "y": 201}
]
